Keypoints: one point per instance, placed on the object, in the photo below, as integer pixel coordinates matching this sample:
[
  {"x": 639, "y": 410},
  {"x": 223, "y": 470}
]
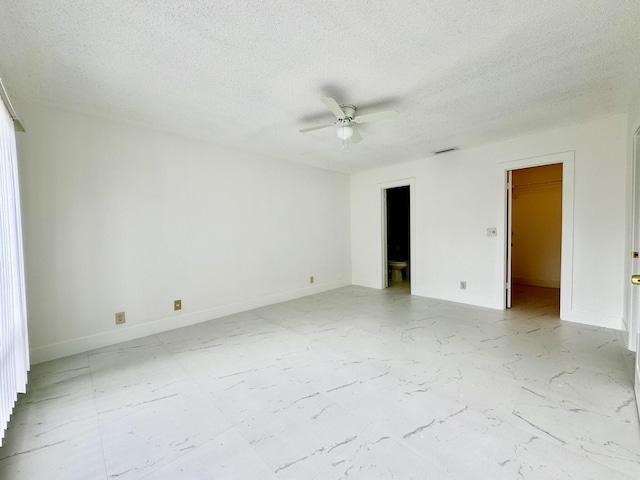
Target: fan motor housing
[{"x": 349, "y": 111}]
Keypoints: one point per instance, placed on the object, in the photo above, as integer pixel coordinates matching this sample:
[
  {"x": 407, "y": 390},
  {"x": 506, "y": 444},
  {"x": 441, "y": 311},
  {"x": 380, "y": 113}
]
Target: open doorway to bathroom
[
  {"x": 398, "y": 237},
  {"x": 536, "y": 238}
]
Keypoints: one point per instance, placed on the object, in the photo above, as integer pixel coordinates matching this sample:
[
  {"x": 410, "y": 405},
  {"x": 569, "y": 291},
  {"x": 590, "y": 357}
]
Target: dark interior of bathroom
[{"x": 398, "y": 229}]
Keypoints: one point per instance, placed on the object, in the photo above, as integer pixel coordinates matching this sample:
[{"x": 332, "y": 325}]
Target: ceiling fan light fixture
[
  {"x": 345, "y": 132},
  {"x": 346, "y": 120}
]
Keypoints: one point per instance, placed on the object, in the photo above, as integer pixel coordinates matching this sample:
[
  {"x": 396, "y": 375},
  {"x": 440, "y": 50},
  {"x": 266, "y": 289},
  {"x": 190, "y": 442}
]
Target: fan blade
[
  {"x": 374, "y": 117},
  {"x": 332, "y": 105},
  {"x": 356, "y": 137},
  {"x": 317, "y": 128}
]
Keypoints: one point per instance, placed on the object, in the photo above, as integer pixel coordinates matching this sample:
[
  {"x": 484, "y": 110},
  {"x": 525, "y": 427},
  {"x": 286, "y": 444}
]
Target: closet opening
[{"x": 534, "y": 238}]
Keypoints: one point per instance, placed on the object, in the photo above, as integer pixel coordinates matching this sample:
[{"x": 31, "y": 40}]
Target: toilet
[{"x": 396, "y": 270}]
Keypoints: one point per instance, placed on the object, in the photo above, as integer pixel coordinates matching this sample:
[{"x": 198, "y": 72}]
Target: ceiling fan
[{"x": 346, "y": 117}]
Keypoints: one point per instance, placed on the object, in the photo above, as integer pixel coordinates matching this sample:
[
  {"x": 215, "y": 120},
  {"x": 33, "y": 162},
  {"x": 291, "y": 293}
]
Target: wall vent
[{"x": 446, "y": 150}]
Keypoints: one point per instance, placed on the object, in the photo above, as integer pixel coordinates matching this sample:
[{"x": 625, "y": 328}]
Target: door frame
[
  {"x": 383, "y": 271},
  {"x": 633, "y": 324},
  {"x": 509, "y": 240},
  {"x": 567, "y": 159},
  {"x": 633, "y": 320},
  {"x": 632, "y": 333}
]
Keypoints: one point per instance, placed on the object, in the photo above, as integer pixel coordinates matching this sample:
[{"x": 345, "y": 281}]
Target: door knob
[{"x": 635, "y": 279}]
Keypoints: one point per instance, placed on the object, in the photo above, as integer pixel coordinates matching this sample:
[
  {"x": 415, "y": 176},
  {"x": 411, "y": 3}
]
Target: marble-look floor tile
[
  {"x": 352, "y": 383},
  {"x": 310, "y": 446},
  {"x": 65, "y": 451},
  {"x": 259, "y": 392},
  {"x": 611, "y": 438},
  {"x": 267, "y": 424},
  {"x": 54, "y": 431},
  {"x": 225, "y": 457},
  {"x": 200, "y": 336},
  {"x": 134, "y": 375},
  {"x": 142, "y": 438},
  {"x": 375, "y": 455},
  {"x": 534, "y": 458}
]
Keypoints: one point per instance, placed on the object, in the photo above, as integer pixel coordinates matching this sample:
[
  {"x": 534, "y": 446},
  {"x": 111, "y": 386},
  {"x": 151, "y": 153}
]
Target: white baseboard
[
  {"x": 596, "y": 320},
  {"x": 366, "y": 282},
  {"x": 84, "y": 344},
  {"x": 463, "y": 298}
]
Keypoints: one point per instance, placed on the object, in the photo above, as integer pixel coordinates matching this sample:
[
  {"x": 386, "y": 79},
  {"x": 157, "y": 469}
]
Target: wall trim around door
[
  {"x": 567, "y": 159},
  {"x": 382, "y": 269},
  {"x": 631, "y": 321}
]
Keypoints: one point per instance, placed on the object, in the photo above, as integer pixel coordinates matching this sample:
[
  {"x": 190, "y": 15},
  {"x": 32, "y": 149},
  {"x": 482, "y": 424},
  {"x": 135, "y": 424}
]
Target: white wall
[
  {"x": 122, "y": 218},
  {"x": 459, "y": 195}
]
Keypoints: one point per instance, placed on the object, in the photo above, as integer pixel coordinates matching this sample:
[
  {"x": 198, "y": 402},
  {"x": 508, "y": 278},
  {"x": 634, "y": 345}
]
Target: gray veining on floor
[{"x": 353, "y": 383}]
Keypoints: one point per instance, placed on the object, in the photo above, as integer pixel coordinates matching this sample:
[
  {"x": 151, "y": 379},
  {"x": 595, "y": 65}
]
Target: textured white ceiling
[{"x": 249, "y": 74}]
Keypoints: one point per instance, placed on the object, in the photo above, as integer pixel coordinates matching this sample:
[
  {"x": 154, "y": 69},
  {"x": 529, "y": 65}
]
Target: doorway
[
  {"x": 633, "y": 322},
  {"x": 398, "y": 237},
  {"x": 535, "y": 238}
]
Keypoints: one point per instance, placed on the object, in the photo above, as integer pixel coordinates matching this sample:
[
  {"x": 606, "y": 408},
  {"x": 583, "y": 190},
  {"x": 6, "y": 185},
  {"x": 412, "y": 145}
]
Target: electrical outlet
[
  {"x": 177, "y": 304},
  {"x": 120, "y": 318},
  {"x": 463, "y": 285},
  {"x": 311, "y": 279}
]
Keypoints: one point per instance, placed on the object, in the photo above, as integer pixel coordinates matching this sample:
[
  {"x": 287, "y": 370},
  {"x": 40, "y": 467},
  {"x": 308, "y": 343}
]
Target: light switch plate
[{"x": 492, "y": 232}]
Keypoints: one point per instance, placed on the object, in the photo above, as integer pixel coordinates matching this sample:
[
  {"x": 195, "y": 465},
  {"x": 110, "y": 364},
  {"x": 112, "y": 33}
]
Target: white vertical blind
[{"x": 14, "y": 352}]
